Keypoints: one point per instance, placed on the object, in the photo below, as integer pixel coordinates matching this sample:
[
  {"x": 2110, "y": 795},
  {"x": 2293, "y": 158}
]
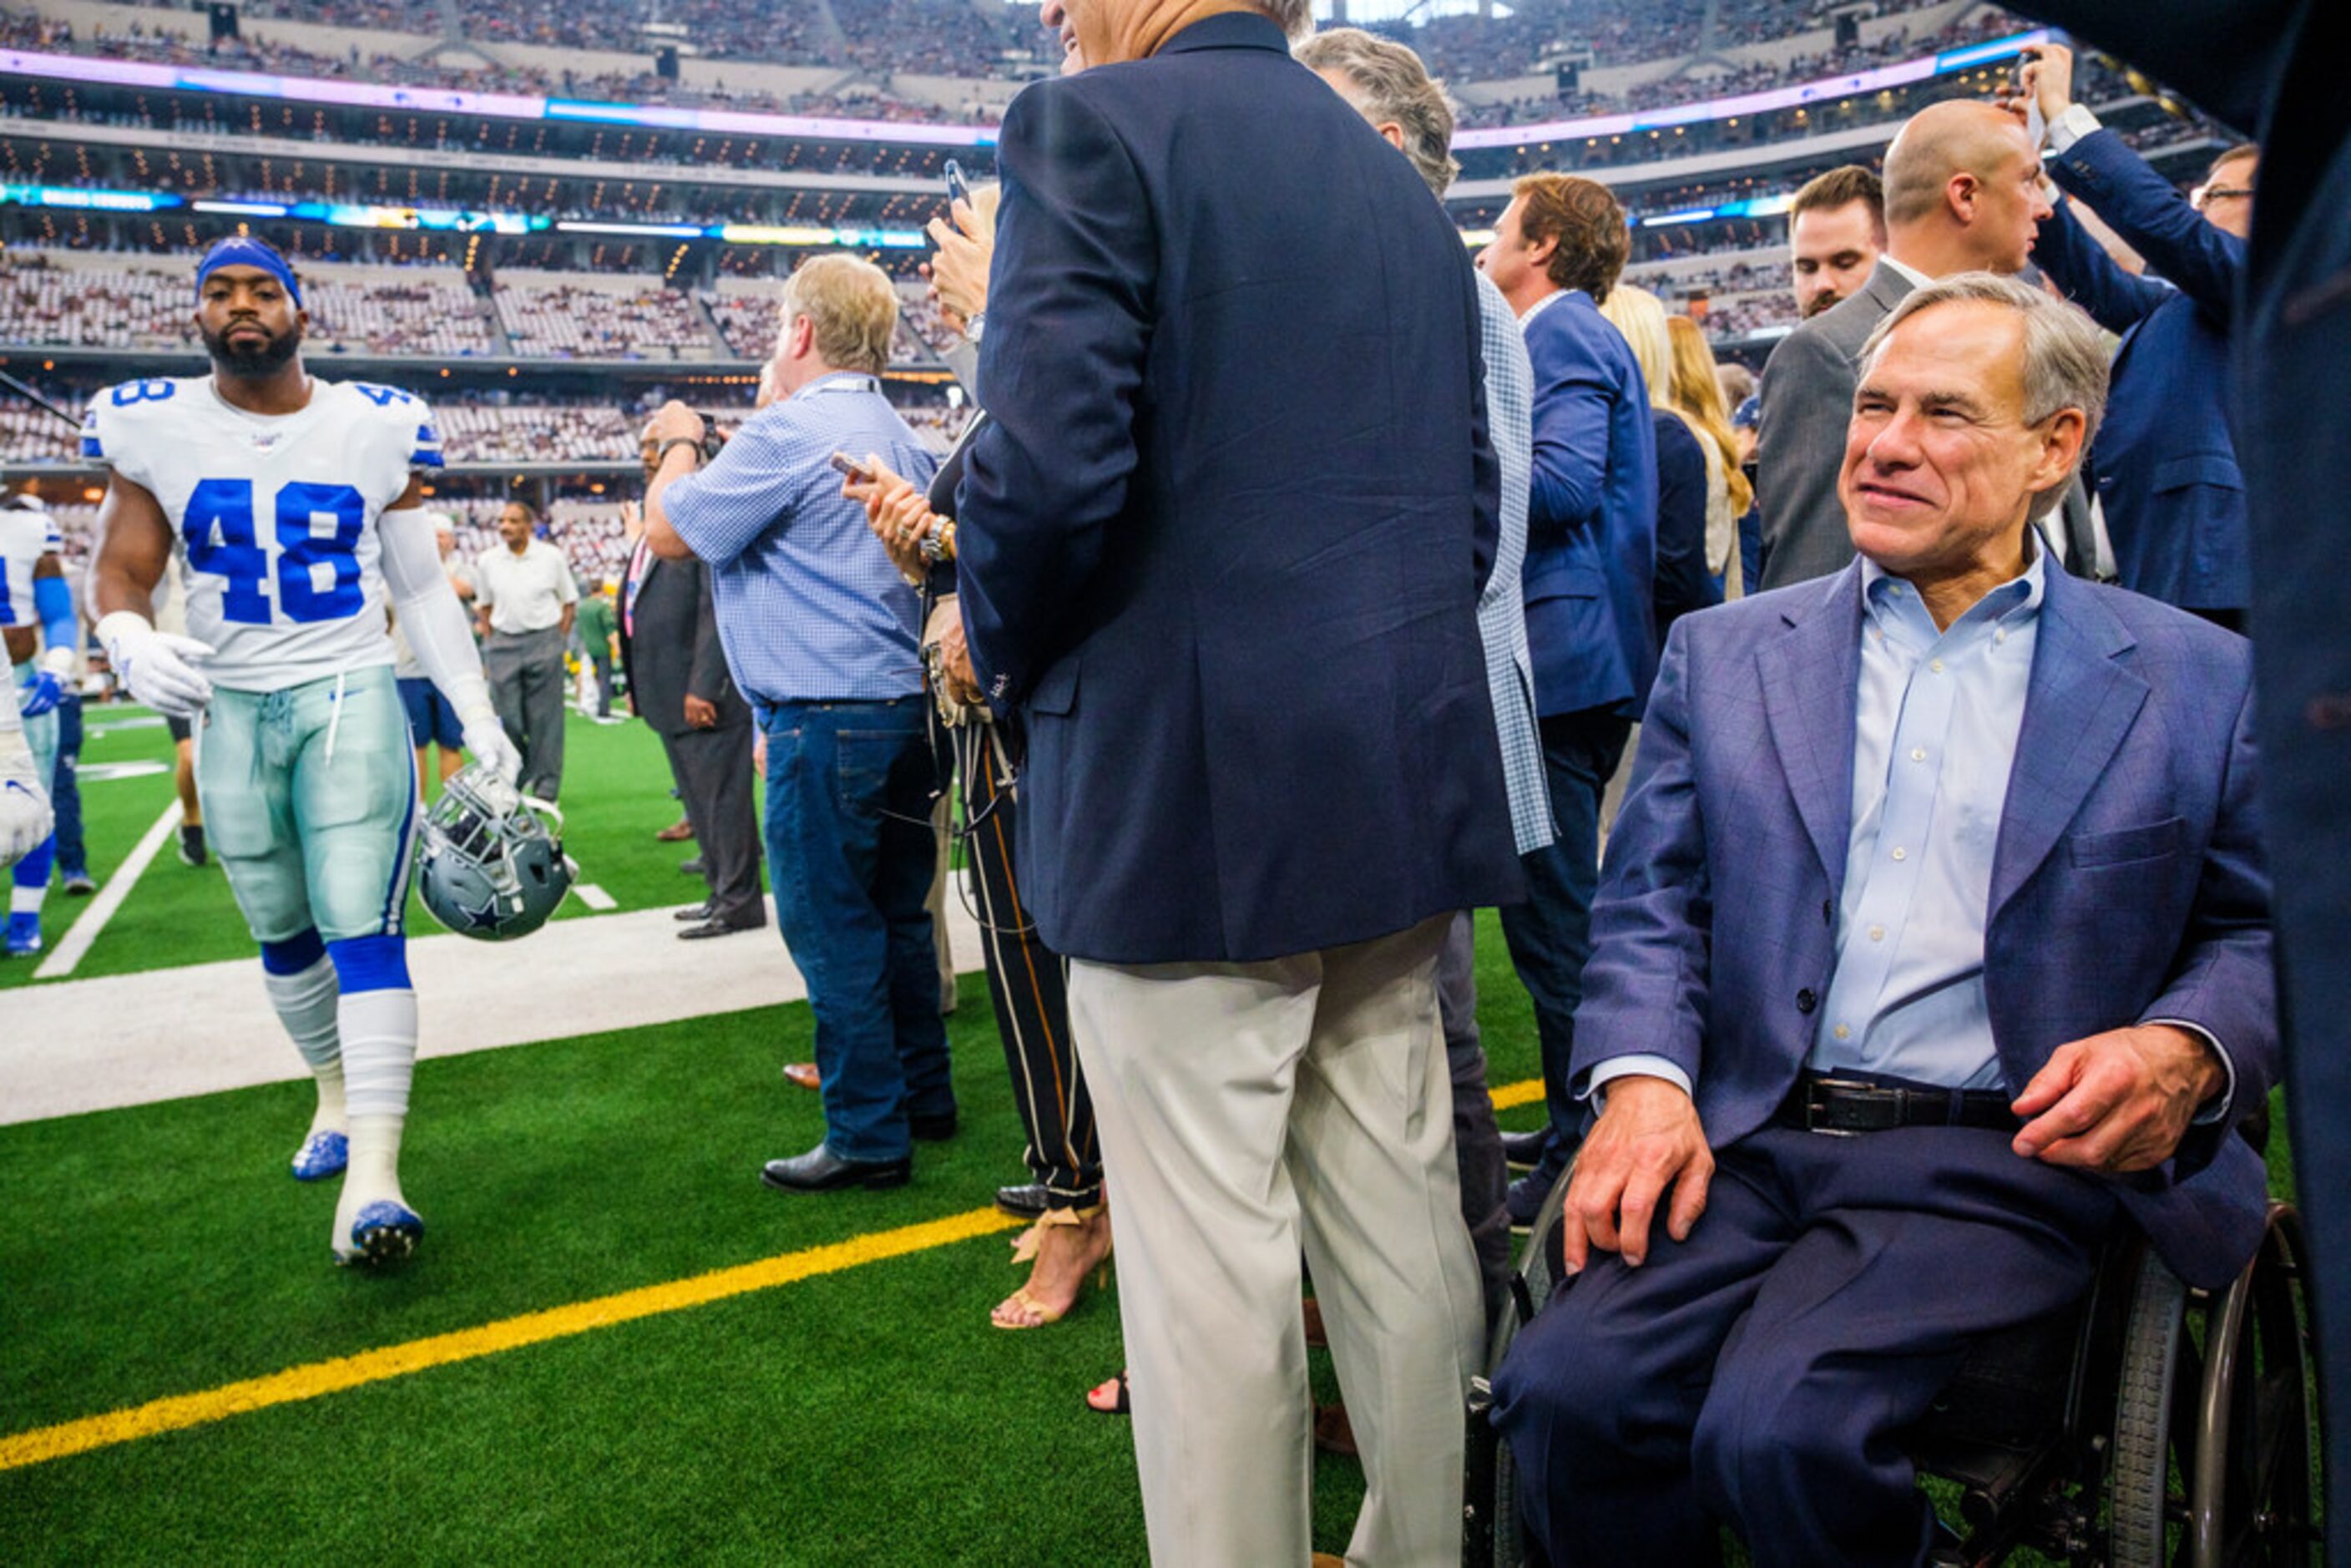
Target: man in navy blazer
[
  {"x": 1222, "y": 545},
  {"x": 1591, "y": 545},
  {"x": 2166, "y": 459},
  {"x": 1953, "y": 854}
]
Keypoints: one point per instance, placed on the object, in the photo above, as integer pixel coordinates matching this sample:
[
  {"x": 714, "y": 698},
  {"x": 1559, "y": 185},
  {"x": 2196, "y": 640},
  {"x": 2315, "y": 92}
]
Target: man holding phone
[{"x": 820, "y": 633}]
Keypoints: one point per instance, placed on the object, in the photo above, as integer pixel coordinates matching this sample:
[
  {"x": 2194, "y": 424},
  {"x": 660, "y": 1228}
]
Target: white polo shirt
[{"x": 524, "y": 593}]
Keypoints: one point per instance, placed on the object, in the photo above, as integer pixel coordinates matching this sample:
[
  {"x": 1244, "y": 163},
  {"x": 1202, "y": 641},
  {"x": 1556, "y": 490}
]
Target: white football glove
[
  {"x": 158, "y": 668},
  {"x": 23, "y": 805},
  {"x": 486, "y": 738}
]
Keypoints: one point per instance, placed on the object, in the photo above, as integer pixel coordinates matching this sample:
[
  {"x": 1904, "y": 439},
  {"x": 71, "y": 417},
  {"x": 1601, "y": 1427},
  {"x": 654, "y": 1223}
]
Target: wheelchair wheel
[
  {"x": 2139, "y": 1474},
  {"x": 1493, "y": 1537},
  {"x": 2252, "y": 1488}
]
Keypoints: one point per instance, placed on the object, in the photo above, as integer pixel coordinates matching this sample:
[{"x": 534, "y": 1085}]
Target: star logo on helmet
[{"x": 485, "y": 918}]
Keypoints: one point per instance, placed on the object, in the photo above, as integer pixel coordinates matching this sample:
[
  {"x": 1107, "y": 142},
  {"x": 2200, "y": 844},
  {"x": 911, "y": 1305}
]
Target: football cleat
[
  {"x": 323, "y": 1154},
  {"x": 492, "y": 865},
  {"x": 24, "y": 935},
  {"x": 80, "y": 883},
  {"x": 384, "y": 1232}
]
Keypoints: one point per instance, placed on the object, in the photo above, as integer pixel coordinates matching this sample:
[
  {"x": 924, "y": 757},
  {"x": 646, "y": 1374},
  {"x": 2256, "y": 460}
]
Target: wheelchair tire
[
  {"x": 2252, "y": 1493},
  {"x": 1495, "y": 1535},
  {"x": 2139, "y": 1473}
]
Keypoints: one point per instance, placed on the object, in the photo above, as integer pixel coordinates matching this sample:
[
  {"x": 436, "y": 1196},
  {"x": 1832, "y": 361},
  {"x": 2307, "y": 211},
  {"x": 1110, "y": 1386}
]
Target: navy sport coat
[{"x": 1222, "y": 541}]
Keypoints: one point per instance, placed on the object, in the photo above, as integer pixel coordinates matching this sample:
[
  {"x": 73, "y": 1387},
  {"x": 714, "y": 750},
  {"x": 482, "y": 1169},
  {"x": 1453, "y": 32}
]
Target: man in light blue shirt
[
  {"x": 1933, "y": 953},
  {"x": 820, "y": 633}
]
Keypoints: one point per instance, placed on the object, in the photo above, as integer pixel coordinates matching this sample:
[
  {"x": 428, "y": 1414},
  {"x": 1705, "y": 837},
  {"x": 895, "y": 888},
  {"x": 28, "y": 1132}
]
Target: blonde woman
[
  {"x": 1683, "y": 580},
  {"x": 1695, "y": 394}
]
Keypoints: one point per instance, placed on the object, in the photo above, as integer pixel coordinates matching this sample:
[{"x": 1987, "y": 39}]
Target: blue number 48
[{"x": 219, "y": 527}]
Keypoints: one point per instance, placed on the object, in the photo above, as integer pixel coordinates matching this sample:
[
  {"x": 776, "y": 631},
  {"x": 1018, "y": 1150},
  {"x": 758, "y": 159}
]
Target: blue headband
[{"x": 244, "y": 251}]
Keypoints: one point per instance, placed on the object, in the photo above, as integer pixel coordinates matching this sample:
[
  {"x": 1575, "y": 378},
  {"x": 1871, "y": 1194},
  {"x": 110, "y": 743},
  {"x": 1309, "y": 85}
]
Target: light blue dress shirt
[
  {"x": 1935, "y": 718},
  {"x": 809, "y": 607}
]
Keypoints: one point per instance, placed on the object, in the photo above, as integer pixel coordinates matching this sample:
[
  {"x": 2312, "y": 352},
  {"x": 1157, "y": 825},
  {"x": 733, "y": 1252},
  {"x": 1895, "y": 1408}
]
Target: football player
[
  {"x": 24, "y": 802},
  {"x": 295, "y": 509},
  {"x": 35, "y": 608}
]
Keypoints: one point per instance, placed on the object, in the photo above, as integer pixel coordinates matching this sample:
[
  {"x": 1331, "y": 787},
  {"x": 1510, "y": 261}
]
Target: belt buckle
[{"x": 1874, "y": 1120}]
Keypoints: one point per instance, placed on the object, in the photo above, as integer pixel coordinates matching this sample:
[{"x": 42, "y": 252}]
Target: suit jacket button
[
  {"x": 1807, "y": 1001},
  {"x": 1828, "y": 913}
]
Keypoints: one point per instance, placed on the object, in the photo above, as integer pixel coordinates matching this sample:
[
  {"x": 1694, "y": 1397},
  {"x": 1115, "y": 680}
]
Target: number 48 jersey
[{"x": 274, "y": 516}]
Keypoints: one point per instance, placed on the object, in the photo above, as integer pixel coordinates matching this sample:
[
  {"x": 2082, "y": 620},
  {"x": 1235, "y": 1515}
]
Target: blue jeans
[
  {"x": 65, "y": 789},
  {"x": 851, "y": 854},
  {"x": 1550, "y": 935}
]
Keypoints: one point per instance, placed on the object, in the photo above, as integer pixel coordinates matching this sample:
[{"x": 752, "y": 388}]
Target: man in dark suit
[
  {"x": 2166, "y": 461},
  {"x": 2275, "y": 67},
  {"x": 1591, "y": 547},
  {"x": 1962, "y": 192},
  {"x": 1221, "y": 546},
  {"x": 678, "y": 677},
  {"x": 1954, "y": 856}
]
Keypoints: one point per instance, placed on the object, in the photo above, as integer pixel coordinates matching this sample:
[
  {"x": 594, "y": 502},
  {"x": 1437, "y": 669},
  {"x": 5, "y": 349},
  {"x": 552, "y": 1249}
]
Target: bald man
[{"x": 1962, "y": 194}]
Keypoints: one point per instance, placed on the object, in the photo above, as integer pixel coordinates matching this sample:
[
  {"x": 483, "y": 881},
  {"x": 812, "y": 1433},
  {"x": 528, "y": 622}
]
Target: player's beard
[{"x": 251, "y": 363}]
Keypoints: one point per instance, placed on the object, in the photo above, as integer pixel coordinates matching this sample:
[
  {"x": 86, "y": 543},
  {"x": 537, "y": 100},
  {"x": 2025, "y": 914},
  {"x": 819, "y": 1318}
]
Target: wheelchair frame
[{"x": 2113, "y": 1435}]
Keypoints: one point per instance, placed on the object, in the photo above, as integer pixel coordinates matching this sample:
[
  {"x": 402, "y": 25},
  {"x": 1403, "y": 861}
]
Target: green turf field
[{"x": 864, "y": 1416}]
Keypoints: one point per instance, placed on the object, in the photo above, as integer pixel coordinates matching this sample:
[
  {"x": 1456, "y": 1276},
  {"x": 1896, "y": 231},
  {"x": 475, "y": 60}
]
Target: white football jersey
[
  {"x": 25, "y": 538},
  {"x": 274, "y": 518}
]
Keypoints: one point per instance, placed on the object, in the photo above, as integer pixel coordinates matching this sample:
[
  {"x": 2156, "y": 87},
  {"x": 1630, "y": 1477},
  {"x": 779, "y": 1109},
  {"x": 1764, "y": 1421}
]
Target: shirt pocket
[{"x": 2124, "y": 846}]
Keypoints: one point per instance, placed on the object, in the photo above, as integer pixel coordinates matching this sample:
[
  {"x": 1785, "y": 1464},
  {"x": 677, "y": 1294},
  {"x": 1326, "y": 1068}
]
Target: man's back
[{"x": 1237, "y": 391}]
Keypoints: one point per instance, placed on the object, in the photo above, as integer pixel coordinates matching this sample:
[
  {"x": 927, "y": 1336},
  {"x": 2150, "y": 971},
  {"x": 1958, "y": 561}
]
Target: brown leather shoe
[
  {"x": 802, "y": 1074},
  {"x": 1333, "y": 1433},
  {"x": 677, "y": 833},
  {"x": 1329, "y": 1560}
]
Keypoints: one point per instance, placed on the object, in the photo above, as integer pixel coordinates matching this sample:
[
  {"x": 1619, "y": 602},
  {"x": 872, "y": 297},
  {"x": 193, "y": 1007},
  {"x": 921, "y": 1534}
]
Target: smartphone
[
  {"x": 851, "y": 467},
  {"x": 958, "y": 189}
]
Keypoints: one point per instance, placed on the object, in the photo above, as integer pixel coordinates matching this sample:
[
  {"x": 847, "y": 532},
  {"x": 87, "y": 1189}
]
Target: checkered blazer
[{"x": 1501, "y": 612}]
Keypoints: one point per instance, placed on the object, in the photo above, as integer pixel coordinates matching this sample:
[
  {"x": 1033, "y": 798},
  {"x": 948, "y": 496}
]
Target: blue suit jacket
[
  {"x": 1224, "y": 535},
  {"x": 2127, "y": 882},
  {"x": 2166, "y": 460},
  {"x": 1591, "y": 515}
]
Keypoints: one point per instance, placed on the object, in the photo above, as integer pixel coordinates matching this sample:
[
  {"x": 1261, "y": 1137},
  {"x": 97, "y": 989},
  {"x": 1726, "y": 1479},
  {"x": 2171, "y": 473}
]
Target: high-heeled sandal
[
  {"x": 1026, "y": 1246},
  {"x": 1109, "y": 1397}
]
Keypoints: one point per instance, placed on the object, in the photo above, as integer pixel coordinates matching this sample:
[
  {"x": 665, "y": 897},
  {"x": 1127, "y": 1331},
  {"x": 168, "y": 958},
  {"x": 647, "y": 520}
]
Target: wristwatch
[{"x": 977, "y": 325}]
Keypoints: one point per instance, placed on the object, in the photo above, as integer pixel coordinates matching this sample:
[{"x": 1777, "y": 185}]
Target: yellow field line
[
  {"x": 180, "y": 1411},
  {"x": 46, "y": 1443},
  {"x": 1511, "y": 1095}
]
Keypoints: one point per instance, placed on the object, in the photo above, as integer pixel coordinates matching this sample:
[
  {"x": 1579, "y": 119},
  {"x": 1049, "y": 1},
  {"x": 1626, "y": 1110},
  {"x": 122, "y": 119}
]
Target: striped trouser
[{"x": 1028, "y": 983}]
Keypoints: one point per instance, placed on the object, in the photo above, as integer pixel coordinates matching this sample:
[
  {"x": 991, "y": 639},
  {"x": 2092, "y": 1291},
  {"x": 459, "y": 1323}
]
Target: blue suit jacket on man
[
  {"x": 2166, "y": 460},
  {"x": 1224, "y": 537},
  {"x": 2127, "y": 882},
  {"x": 1592, "y": 516}
]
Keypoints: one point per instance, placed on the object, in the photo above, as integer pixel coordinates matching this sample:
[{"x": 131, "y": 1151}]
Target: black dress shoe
[
  {"x": 716, "y": 929},
  {"x": 695, "y": 912},
  {"x": 932, "y": 1129},
  {"x": 822, "y": 1170},
  {"x": 1026, "y": 1201},
  {"x": 691, "y": 867},
  {"x": 1525, "y": 1149}
]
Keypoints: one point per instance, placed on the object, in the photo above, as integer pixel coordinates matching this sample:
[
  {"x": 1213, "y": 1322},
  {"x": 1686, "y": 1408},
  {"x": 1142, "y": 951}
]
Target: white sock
[
  {"x": 306, "y": 1005},
  {"x": 27, "y": 900},
  {"x": 378, "y": 1031}
]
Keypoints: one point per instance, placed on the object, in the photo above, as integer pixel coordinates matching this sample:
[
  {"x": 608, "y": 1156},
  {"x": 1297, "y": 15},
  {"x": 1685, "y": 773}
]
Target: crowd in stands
[
  {"x": 565, "y": 320},
  {"x": 433, "y": 314},
  {"x": 885, "y": 38},
  {"x": 748, "y": 322}
]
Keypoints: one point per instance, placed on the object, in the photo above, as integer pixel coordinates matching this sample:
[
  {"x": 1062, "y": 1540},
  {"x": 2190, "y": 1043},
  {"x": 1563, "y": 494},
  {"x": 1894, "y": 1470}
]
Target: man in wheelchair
[{"x": 1932, "y": 949}]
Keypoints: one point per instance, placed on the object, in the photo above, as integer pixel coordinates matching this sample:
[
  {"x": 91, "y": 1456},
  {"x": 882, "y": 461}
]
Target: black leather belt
[{"x": 1848, "y": 1106}]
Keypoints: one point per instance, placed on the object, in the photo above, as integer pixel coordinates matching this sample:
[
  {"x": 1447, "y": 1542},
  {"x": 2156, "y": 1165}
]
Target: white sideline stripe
[
  {"x": 595, "y": 897},
  {"x": 76, "y": 944},
  {"x": 130, "y": 1040}
]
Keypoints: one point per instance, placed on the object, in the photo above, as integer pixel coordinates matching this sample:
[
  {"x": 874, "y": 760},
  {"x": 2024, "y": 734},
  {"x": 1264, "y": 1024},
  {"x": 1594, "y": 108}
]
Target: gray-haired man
[
  {"x": 1388, "y": 85},
  {"x": 1952, "y": 853}
]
